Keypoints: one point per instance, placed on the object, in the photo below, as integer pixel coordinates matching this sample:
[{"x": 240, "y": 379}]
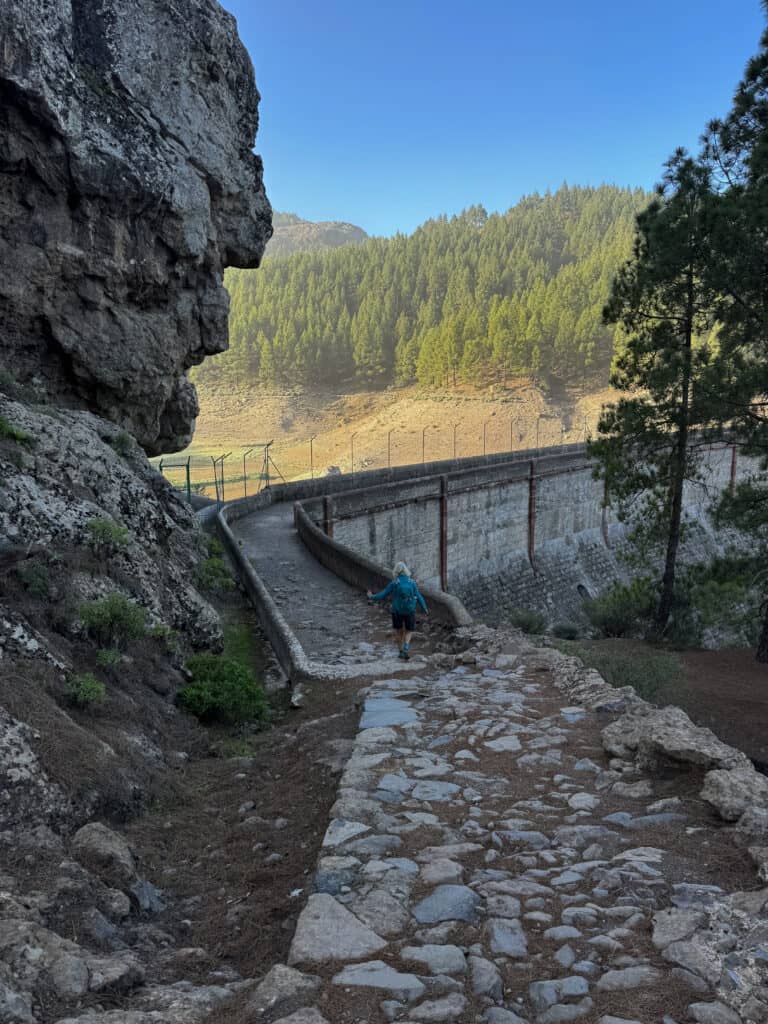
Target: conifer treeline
[{"x": 462, "y": 297}]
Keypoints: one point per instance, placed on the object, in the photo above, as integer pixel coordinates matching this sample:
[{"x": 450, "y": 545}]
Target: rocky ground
[{"x": 492, "y": 857}]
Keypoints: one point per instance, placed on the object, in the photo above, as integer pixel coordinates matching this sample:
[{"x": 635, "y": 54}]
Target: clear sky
[{"x": 385, "y": 114}]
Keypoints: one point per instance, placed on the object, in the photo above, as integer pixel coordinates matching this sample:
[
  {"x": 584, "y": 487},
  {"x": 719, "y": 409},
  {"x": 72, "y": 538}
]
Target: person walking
[{"x": 405, "y": 596}]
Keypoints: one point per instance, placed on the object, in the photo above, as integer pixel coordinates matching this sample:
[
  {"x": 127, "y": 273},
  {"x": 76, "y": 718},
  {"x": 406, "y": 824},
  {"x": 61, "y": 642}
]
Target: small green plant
[
  {"x": 166, "y": 636},
  {"x": 113, "y": 621},
  {"x": 85, "y": 690},
  {"x": 213, "y": 575},
  {"x": 566, "y": 631},
  {"x": 212, "y": 546},
  {"x": 35, "y": 579},
  {"x": 122, "y": 443},
  {"x": 10, "y": 433},
  {"x": 108, "y": 657},
  {"x": 624, "y": 609},
  {"x": 105, "y": 536},
  {"x": 528, "y": 620},
  {"x": 222, "y": 690}
]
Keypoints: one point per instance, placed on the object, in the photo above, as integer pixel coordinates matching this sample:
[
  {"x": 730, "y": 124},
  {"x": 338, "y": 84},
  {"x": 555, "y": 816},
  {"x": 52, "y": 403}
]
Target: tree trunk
[
  {"x": 762, "y": 645},
  {"x": 677, "y": 481}
]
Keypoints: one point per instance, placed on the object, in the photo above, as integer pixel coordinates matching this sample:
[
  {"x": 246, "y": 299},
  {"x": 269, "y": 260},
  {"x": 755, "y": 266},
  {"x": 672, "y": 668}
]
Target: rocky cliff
[{"x": 127, "y": 184}]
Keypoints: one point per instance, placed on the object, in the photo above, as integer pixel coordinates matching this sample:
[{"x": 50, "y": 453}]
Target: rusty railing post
[
  {"x": 532, "y": 513},
  {"x": 328, "y": 516},
  {"x": 443, "y": 532},
  {"x": 604, "y": 515}
]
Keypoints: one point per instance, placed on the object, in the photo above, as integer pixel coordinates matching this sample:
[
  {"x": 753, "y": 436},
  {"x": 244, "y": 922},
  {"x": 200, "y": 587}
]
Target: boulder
[
  {"x": 133, "y": 123},
  {"x": 733, "y": 792},
  {"x": 658, "y": 735},
  {"x": 105, "y": 853}
]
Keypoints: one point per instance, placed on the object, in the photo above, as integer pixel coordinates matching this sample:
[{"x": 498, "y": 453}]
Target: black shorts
[{"x": 404, "y": 620}]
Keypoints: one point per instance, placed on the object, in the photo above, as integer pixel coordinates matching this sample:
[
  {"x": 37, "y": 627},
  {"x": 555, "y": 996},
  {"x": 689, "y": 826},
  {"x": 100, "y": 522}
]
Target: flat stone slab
[
  {"x": 508, "y": 744},
  {"x": 384, "y": 712},
  {"x": 435, "y": 792},
  {"x": 327, "y": 931},
  {"x": 377, "y": 974},
  {"x": 438, "y": 959},
  {"x": 447, "y": 903},
  {"x": 340, "y": 831}
]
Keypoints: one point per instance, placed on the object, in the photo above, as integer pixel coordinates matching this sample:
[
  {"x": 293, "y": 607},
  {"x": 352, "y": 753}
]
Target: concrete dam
[{"x": 531, "y": 531}]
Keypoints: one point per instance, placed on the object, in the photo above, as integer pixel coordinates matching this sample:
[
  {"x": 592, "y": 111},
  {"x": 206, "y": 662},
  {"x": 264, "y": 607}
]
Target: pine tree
[{"x": 664, "y": 303}]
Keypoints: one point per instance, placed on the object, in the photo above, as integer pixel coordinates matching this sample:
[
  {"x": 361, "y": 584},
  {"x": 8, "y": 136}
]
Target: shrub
[
  {"x": 10, "y": 433},
  {"x": 121, "y": 443},
  {"x": 566, "y": 631},
  {"x": 35, "y": 579},
  {"x": 212, "y": 546},
  {"x": 113, "y": 621},
  {"x": 528, "y": 620},
  {"x": 108, "y": 657},
  {"x": 85, "y": 690},
  {"x": 222, "y": 690},
  {"x": 646, "y": 671},
  {"x": 213, "y": 574},
  {"x": 166, "y": 636},
  {"x": 105, "y": 536},
  {"x": 623, "y": 609}
]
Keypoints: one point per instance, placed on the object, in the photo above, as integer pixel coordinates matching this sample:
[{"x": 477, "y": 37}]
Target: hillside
[
  {"x": 468, "y": 298},
  {"x": 292, "y": 234}
]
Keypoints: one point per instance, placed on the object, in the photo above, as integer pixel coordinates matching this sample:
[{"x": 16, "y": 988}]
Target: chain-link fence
[{"x": 239, "y": 470}]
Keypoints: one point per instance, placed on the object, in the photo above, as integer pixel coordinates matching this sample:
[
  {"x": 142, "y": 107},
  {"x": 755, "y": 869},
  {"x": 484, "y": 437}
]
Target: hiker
[{"x": 405, "y": 595}]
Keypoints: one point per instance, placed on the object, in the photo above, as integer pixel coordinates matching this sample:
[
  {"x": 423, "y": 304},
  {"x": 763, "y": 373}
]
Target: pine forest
[{"x": 469, "y": 297}]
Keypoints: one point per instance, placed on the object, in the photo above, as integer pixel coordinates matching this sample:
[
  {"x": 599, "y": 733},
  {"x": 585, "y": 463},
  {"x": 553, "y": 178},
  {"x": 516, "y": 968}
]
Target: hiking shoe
[
  {"x": 402, "y": 655},
  {"x": 406, "y": 655}
]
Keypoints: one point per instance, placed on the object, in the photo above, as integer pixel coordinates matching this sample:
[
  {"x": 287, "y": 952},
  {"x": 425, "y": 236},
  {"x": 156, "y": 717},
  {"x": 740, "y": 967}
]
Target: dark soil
[{"x": 727, "y": 691}]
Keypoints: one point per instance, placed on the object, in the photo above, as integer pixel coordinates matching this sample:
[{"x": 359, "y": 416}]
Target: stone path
[
  {"x": 487, "y": 862},
  {"x": 331, "y": 619}
]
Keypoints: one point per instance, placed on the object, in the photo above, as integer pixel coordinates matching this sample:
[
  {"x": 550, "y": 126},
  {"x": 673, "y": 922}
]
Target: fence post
[
  {"x": 604, "y": 515},
  {"x": 328, "y": 516},
  {"x": 189, "y": 484},
  {"x": 532, "y": 513},
  {"x": 444, "y": 532}
]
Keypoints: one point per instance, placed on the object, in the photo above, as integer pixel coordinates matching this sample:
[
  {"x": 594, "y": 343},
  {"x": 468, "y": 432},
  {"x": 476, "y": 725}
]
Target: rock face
[{"x": 127, "y": 184}]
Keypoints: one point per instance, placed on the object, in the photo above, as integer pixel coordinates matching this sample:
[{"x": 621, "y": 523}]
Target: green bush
[
  {"x": 213, "y": 574},
  {"x": 212, "y": 546},
  {"x": 35, "y": 579},
  {"x": 105, "y": 536},
  {"x": 85, "y": 690},
  {"x": 528, "y": 620},
  {"x": 623, "y": 609},
  {"x": 222, "y": 690},
  {"x": 646, "y": 671},
  {"x": 113, "y": 621},
  {"x": 10, "y": 433},
  {"x": 166, "y": 636},
  {"x": 566, "y": 631},
  {"x": 122, "y": 443},
  {"x": 108, "y": 657}
]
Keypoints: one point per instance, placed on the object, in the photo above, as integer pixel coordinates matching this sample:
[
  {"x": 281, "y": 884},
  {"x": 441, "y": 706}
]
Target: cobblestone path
[{"x": 487, "y": 862}]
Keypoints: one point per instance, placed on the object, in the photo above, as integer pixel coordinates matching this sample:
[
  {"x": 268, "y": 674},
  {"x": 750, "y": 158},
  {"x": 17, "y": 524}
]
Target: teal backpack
[{"x": 404, "y": 596}]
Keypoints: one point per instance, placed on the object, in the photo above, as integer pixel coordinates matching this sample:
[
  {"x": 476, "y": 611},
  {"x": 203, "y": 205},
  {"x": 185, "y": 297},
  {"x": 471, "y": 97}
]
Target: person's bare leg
[{"x": 407, "y": 643}]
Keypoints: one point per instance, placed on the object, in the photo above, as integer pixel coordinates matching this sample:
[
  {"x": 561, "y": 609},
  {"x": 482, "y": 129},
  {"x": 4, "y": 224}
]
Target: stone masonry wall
[{"x": 576, "y": 541}]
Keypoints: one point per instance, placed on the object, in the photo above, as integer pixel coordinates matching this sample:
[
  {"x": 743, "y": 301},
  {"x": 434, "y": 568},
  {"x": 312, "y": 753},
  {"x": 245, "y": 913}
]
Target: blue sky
[{"x": 387, "y": 114}]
